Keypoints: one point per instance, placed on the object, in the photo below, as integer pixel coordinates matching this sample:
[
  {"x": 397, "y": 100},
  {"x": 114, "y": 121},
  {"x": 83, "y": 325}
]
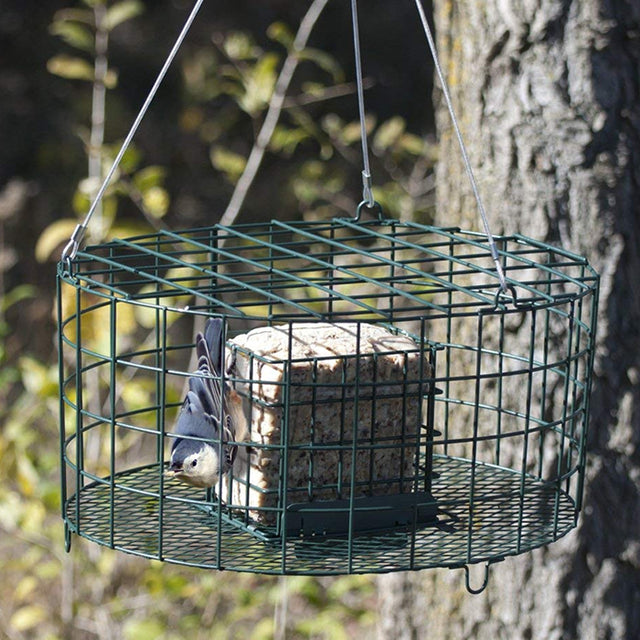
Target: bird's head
[{"x": 195, "y": 463}]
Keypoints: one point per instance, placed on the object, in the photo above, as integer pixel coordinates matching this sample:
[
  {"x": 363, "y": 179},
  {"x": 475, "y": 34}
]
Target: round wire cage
[{"x": 458, "y": 438}]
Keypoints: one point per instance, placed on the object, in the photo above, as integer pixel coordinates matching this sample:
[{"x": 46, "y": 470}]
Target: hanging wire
[
  {"x": 71, "y": 249},
  {"x": 504, "y": 287},
  {"x": 367, "y": 193}
]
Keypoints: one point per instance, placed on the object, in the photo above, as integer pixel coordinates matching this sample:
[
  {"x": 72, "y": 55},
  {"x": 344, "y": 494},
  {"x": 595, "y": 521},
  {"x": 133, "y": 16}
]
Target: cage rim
[
  {"x": 486, "y": 303},
  {"x": 562, "y": 525}
]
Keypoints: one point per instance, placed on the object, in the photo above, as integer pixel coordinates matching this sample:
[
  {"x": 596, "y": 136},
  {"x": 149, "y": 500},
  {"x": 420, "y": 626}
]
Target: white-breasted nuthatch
[{"x": 208, "y": 420}]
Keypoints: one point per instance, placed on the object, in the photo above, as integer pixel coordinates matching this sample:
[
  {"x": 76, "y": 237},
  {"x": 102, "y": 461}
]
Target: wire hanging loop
[
  {"x": 502, "y": 298},
  {"x": 376, "y": 208},
  {"x": 367, "y": 193},
  {"x": 71, "y": 248},
  {"x": 467, "y": 580},
  {"x": 505, "y": 288}
]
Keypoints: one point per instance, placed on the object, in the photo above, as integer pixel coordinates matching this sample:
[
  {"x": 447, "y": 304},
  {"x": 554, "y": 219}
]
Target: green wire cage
[
  {"x": 417, "y": 396},
  {"x": 460, "y": 440}
]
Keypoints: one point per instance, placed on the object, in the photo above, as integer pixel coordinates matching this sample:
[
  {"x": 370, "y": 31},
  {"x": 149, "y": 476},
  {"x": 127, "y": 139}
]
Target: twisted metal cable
[
  {"x": 504, "y": 286},
  {"x": 71, "y": 249}
]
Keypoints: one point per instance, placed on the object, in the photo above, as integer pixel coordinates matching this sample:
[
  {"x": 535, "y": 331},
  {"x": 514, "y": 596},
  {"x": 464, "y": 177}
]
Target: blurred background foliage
[{"x": 73, "y": 75}]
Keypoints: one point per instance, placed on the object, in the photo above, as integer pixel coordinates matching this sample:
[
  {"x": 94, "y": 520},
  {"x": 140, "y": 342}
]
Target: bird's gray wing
[
  {"x": 202, "y": 412},
  {"x": 194, "y": 421},
  {"x": 210, "y": 353}
]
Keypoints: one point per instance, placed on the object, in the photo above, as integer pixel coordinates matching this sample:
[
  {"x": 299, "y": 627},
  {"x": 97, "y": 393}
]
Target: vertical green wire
[
  {"x": 403, "y": 424},
  {"x": 247, "y": 489},
  {"x": 447, "y": 361},
  {"x": 312, "y": 429},
  {"x": 474, "y": 442},
  {"x": 430, "y": 419},
  {"x": 392, "y": 271},
  {"x": 79, "y": 408},
  {"x": 223, "y": 420},
  {"x": 331, "y": 283},
  {"x": 159, "y": 375},
  {"x": 563, "y": 434},
  {"x": 354, "y": 448},
  {"x": 270, "y": 284},
  {"x": 576, "y": 416},
  {"x": 372, "y": 425},
  {"x": 343, "y": 401},
  {"x": 527, "y": 426},
  {"x": 499, "y": 389},
  {"x": 283, "y": 497},
  {"x": 587, "y": 394},
  {"x": 545, "y": 371},
  {"x": 161, "y": 386},
  {"x": 63, "y": 413},
  {"x": 543, "y": 393},
  {"x": 427, "y": 425},
  {"x": 113, "y": 319}
]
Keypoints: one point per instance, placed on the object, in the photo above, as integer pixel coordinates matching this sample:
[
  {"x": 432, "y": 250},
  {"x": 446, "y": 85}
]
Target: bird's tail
[{"x": 213, "y": 340}]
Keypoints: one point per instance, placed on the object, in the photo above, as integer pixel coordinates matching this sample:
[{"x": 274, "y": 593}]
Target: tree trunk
[{"x": 548, "y": 98}]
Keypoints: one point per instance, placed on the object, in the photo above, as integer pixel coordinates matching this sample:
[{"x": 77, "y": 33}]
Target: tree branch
[{"x": 273, "y": 112}]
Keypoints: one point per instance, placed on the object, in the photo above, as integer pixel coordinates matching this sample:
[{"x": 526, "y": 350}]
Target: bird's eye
[{"x": 194, "y": 463}]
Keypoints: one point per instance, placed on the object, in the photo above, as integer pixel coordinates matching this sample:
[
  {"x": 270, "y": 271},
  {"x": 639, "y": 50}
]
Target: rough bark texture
[{"x": 548, "y": 97}]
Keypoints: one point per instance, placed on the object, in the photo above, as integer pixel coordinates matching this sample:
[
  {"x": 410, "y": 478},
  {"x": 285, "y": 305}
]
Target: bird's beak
[{"x": 173, "y": 470}]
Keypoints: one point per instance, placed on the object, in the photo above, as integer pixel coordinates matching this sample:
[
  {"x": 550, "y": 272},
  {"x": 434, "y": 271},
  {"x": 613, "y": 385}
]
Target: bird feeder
[
  {"x": 449, "y": 428},
  {"x": 488, "y": 436}
]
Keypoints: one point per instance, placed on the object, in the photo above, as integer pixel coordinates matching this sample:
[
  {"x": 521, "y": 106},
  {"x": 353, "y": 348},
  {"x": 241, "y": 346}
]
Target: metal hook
[
  {"x": 67, "y": 538},
  {"x": 376, "y": 206},
  {"x": 501, "y": 299},
  {"x": 71, "y": 248},
  {"x": 367, "y": 189},
  {"x": 485, "y": 582}
]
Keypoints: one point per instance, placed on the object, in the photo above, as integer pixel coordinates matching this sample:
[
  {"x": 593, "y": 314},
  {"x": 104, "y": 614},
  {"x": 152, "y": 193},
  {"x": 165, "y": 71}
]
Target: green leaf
[
  {"x": 143, "y": 629},
  {"x": 70, "y": 67},
  {"x": 286, "y": 140},
  {"x": 17, "y": 294},
  {"x": 76, "y": 15},
  {"x": 388, "y": 133},
  {"x": 412, "y": 144},
  {"x": 149, "y": 177},
  {"x": 259, "y": 84},
  {"x": 123, "y": 11},
  {"x": 74, "y": 34},
  {"x": 80, "y": 203},
  {"x": 351, "y": 132},
  {"x": 239, "y": 46},
  {"x": 156, "y": 201},
  {"x": 111, "y": 79},
  {"x": 54, "y": 236},
  {"x": 130, "y": 160},
  {"x": 27, "y": 618},
  {"x": 229, "y": 162},
  {"x": 264, "y": 630},
  {"x": 325, "y": 61},
  {"x": 280, "y": 32},
  {"x": 27, "y": 585},
  {"x": 38, "y": 379},
  {"x": 332, "y": 123}
]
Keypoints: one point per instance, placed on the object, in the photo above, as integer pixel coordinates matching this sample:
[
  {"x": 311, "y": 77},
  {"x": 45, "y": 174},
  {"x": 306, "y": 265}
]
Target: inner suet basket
[{"x": 459, "y": 439}]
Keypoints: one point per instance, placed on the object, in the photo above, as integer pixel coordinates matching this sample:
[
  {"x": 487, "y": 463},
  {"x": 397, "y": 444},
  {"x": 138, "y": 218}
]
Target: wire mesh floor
[{"x": 510, "y": 515}]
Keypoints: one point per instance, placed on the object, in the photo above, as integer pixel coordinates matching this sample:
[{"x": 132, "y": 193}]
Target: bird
[{"x": 209, "y": 421}]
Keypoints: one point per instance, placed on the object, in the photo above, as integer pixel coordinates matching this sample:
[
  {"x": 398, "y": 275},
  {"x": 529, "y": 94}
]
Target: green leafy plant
[
  {"x": 241, "y": 92},
  {"x": 85, "y": 32}
]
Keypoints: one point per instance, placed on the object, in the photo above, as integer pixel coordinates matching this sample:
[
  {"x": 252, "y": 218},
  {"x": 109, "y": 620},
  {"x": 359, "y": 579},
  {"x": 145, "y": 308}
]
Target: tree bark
[{"x": 548, "y": 97}]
